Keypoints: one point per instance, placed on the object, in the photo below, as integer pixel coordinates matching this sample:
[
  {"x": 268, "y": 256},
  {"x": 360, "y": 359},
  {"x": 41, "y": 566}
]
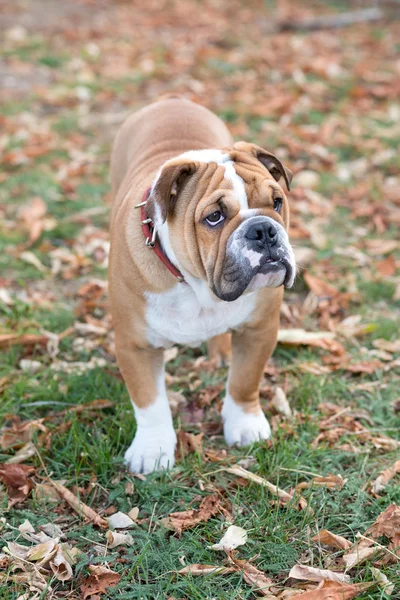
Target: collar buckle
[
  {"x": 150, "y": 236},
  {"x": 151, "y": 242}
]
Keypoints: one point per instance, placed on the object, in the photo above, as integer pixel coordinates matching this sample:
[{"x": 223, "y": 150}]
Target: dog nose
[{"x": 262, "y": 232}]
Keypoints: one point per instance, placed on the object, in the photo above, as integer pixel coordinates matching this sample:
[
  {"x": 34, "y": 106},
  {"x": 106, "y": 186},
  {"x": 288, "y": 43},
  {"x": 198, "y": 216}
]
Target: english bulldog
[{"x": 199, "y": 251}]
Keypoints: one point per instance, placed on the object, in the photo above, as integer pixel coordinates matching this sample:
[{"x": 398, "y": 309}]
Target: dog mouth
[
  {"x": 278, "y": 265},
  {"x": 255, "y": 259},
  {"x": 272, "y": 273}
]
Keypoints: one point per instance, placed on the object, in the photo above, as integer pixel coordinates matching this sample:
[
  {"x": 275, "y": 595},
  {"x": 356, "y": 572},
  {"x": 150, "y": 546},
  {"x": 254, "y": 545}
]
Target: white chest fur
[{"x": 181, "y": 316}]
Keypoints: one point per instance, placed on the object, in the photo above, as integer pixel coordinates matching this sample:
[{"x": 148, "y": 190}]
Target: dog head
[{"x": 222, "y": 216}]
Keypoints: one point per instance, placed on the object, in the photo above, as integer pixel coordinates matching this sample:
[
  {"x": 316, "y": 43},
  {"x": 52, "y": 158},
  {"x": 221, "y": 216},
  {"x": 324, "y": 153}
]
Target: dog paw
[
  {"x": 151, "y": 450},
  {"x": 242, "y": 428}
]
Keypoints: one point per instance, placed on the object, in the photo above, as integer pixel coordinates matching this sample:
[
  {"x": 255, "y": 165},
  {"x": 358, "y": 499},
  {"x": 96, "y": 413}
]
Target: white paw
[
  {"x": 243, "y": 428},
  {"x": 153, "y": 448}
]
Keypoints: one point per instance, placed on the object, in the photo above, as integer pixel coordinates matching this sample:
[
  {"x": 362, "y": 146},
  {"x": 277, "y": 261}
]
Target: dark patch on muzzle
[{"x": 257, "y": 247}]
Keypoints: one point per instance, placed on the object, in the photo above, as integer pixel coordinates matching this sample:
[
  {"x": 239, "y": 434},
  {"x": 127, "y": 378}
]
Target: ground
[{"x": 327, "y": 102}]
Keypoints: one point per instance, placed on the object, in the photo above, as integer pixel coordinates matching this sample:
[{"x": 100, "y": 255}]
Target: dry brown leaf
[
  {"x": 387, "y": 346},
  {"x": 43, "y": 552},
  {"x": 334, "y": 591},
  {"x": 99, "y": 580},
  {"x": 60, "y": 566},
  {"x": 383, "y": 478},
  {"x": 45, "y": 491},
  {"x": 307, "y": 573},
  {"x": 385, "y": 443},
  {"x": 319, "y": 287},
  {"x": 379, "y": 247},
  {"x": 31, "y": 216},
  {"x": 330, "y": 539},
  {"x": 328, "y": 481},
  {"x": 358, "y": 556},
  {"x": 7, "y": 340},
  {"x": 188, "y": 443},
  {"x": 365, "y": 366},
  {"x": 301, "y": 337},
  {"x": 23, "y": 454},
  {"x": 20, "y": 432},
  {"x": 79, "y": 507},
  {"x": 179, "y": 521},
  {"x": 253, "y": 576},
  {"x": 388, "y": 524},
  {"x": 16, "y": 478}
]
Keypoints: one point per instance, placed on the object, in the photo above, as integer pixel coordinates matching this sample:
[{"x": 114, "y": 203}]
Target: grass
[{"x": 86, "y": 449}]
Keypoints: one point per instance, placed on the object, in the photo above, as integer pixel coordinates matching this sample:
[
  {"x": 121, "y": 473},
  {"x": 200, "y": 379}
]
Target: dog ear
[
  {"x": 269, "y": 160},
  {"x": 166, "y": 187}
]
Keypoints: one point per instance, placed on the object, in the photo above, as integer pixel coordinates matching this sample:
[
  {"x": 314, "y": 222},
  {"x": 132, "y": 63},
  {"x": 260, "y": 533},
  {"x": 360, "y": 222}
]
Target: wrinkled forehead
[
  {"x": 243, "y": 178},
  {"x": 223, "y": 159}
]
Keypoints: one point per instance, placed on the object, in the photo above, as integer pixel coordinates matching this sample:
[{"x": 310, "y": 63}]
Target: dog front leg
[
  {"x": 219, "y": 349},
  {"x": 244, "y": 420},
  {"x": 153, "y": 446}
]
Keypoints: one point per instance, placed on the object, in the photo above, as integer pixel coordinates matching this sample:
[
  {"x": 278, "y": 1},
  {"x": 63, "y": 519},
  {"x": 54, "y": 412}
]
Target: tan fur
[
  {"x": 219, "y": 349},
  {"x": 150, "y": 137}
]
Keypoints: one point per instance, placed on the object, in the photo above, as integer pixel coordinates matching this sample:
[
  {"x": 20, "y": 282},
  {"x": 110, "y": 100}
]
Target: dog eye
[
  {"x": 278, "y": 204},
  {"x": 215, "y": 218}
]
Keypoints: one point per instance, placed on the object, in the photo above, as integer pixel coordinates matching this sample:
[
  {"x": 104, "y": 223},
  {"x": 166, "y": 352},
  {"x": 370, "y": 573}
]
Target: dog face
[{"x": 223, "y": 217}]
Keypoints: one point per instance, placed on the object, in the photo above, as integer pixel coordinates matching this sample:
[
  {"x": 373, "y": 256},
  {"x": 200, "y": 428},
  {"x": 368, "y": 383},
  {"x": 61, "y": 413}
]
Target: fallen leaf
[
  {"x": 23, "y": 454},
  {"x": 358, "y": 556},
  {"x": 99, "y": 580},
  {"x": 30, "y": 366},
  {"x": 383, "y": 478},
  {"x": 60, "y": 566},
  {"x": 280, "y": 403},
  {"x": 334, "y": 591},
  {"x": 33, "y": 260},
  {"x": 388, "y": 524},
  {"x": 16, "y": 478},
  {"x": 114, "y": 539},
  {"x": 119, "y": 520},
  {"x": 365, "y": 366},
  {"x": 79, "y": 507},
  {"x": 388, "y": 346},
  {"x": 7, "y": 340},
  {"x": 179, "y": 521},
  {"x": 31, "y": 217},
  {"x": 330, "y": 539},
  {"x": 232, "y": 538},
  {"x": 170, "y": 354},
  {"x": 20, "y": 432},
  {"x": 313, "y": 574},
  {"x": 45, "y": 491},
  {"x": 253, "y": 576},
  {"x": 198, "y": 569},
  {"x": 328, "y": 481},
  {"x": 301, "y": 337},
  {"x": 319, "y": 287},
  {"x": 385, "y": 584},
  {"x": 134, "y": 513},
  {"x": 284, "y": 496},
  {"x": 43, "y": 552},
  {"x": 188, "y": 443}
]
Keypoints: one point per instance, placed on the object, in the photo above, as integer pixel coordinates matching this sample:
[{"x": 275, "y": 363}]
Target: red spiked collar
[{"x": 150, "y": 234}]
